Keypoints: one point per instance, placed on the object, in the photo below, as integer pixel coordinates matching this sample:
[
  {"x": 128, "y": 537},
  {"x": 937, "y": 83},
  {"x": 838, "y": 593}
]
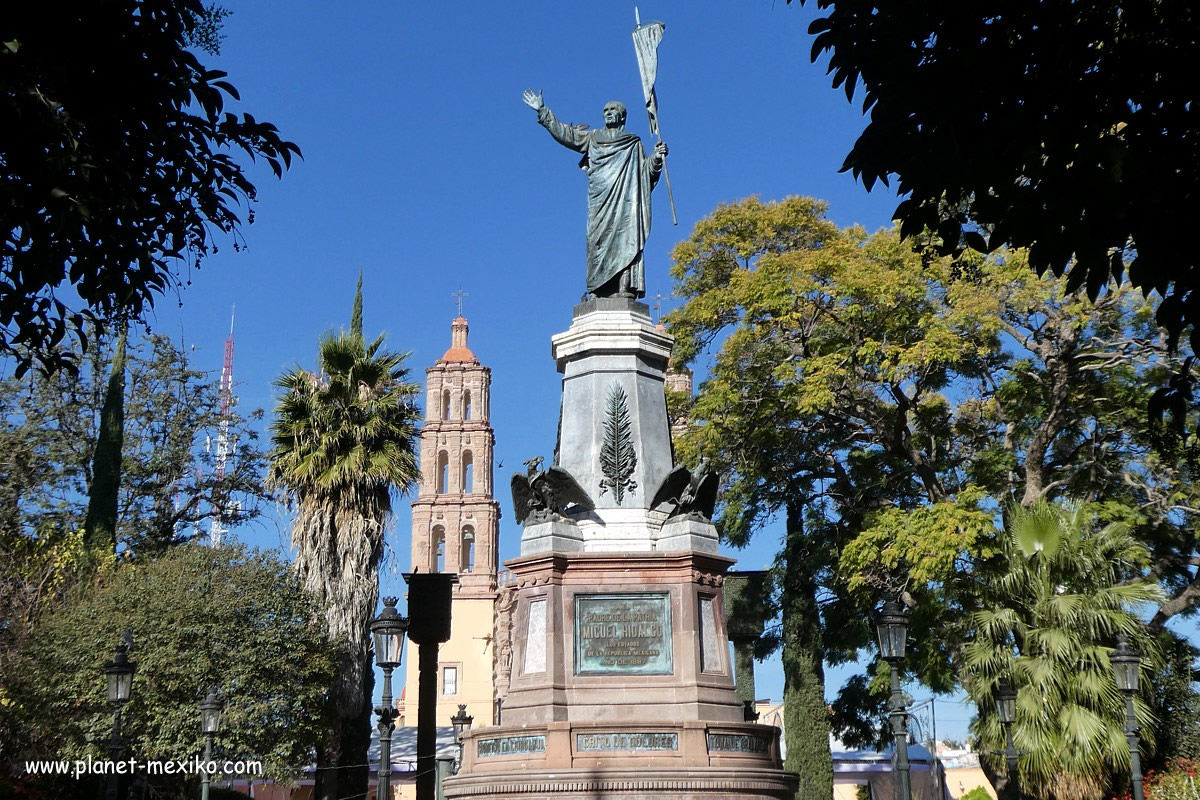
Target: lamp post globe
[
  {"x": 210, "y": 724},
  {"x": 1006, "y": 702},
  {"x": 210, "y": 713},
  {"x": 1127, "y": 664},
  {"x": 891, "y": 631},
  {"x": 462, "y": 723},
  {"x": 119, "y": 674},
  {"x": 389, "y": 630}
]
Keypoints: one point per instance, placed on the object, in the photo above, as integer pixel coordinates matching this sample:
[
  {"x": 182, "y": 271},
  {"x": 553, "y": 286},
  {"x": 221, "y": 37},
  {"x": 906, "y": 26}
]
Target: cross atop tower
[{"x": 460, "y": 294}]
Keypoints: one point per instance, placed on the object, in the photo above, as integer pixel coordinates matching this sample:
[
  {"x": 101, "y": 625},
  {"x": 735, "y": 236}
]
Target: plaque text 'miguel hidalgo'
[{"x": 623, "y": 634}]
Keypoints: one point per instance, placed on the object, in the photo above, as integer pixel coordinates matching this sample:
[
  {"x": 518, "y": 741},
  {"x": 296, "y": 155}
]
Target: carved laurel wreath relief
[{"x": 617, "y": 456}]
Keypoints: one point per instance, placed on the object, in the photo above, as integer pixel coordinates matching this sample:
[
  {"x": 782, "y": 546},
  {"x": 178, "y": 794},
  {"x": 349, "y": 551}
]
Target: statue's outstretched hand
[
  {"x": 533, "y": 99},
  {"x": 660, "y": 152}
]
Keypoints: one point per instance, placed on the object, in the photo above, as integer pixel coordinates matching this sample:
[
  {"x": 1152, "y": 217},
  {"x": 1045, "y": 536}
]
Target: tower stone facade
[{"x": 456, "y": 523}]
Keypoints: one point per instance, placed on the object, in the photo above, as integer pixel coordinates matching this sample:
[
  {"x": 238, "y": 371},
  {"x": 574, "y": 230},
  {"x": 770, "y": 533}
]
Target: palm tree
[
  {"x": 1051, "y": 615},
  {"x": 343, "y": 441}
]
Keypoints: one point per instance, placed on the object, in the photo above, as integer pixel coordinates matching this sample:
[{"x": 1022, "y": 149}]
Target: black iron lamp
[
  {"x": 891, "y": 630},
  {"x": 462, "y": 723},
  {"x": 1006, "y": 710},
  {"x": 389, "y": 630},
  {"x": 1126, "y": 664},
  {"x": 118, "y": 675},
  {"x": 210, "y": 714},
  {"x": 1006, "y": 702},
  {"x": 210, "y": 724}
]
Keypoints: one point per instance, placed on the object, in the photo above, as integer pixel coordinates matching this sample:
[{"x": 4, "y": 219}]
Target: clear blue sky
[{"x": 423, "y": 169}]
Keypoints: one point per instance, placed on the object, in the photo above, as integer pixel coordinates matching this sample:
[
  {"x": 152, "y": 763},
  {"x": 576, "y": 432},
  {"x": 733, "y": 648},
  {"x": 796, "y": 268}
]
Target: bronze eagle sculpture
[
  {"x": 540, "y": 495},
  {"x": 685, "y": 492}
]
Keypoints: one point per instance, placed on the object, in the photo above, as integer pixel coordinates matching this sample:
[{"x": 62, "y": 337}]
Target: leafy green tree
[
  {"x": 1066, "y": 128},
  {"x": 117, "y": 163},
  {"x": 343, "y": 442},
  {"x": 1048, "y": 615},
  {"x": 201, "y": 617},
  {"x": 169, "y": 488},
  {"x": 824, "y": 404},
  {"x": 889, "y": 406}
]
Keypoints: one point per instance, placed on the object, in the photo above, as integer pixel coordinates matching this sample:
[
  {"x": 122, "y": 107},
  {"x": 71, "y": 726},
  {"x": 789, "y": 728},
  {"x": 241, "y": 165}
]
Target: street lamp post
[
  {"x": 462, "y": 723},
  {"x": 389, "y": 630},
  {"x": 119, "y": 675},
  {"x": 210, "y": 723},
  {"x": 1006, "y": 710},
  {"x": 891, "y": 629},
  {"x": 1126, "y": 664}
]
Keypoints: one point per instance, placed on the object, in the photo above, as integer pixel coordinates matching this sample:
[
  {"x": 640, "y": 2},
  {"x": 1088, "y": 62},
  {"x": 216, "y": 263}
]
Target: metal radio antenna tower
[{"x": 219, "y": 528}]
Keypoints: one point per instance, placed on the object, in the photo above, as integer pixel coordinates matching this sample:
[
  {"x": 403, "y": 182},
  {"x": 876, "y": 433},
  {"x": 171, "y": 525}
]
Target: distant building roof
[{"x": 404, "y": 749}]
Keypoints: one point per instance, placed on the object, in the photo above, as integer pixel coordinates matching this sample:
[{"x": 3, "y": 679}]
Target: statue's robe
[{"x": 620, "y": 178}]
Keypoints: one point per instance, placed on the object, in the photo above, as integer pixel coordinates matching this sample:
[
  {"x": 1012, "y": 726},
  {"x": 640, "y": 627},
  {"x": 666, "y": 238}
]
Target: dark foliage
[
  {"x": 117, "y": 163},
  {"x": 1070, "y": 128}
]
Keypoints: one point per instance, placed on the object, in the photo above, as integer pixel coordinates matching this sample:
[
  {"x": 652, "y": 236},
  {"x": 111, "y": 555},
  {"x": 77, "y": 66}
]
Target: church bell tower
[{"x": 456, "y": 521}]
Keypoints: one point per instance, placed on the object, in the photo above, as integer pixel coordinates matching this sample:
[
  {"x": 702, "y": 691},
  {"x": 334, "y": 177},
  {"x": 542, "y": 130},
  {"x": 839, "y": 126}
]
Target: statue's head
[{"x": 614, "y": 114}]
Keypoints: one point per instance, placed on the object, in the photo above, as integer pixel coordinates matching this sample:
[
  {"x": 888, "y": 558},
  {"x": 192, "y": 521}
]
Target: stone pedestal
[
  {"x": 620, "y": 683},
  {"x": 621, "y": 686},
  {"x": 618, "y": 636}
]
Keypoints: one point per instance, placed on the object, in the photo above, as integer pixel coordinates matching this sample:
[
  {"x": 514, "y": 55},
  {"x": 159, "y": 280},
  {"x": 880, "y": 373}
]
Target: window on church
[
  {"x": 439, "y": 549},
  {"x": 468, "y": 550},
  {"x": 443, "y": 472},
  {"x": 467, "y": 404},
  {"x": 449, "y": 680},
  {"x": 446, "y": 404},
  {"x": 468, "y": 470}
]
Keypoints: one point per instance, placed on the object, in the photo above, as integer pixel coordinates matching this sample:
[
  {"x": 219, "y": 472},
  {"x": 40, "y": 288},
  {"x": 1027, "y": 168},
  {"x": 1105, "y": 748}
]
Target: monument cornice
[{"x": 700, "y": 563}]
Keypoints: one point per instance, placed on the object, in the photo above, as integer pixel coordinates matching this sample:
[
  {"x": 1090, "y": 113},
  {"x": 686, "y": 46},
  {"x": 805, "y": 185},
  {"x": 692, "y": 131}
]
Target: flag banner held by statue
[{"x": 645, "y": 42}]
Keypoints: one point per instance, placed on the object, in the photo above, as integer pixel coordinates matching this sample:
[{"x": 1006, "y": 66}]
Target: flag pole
[
  {"x": 637, "y": 19},
  {"x": 670, "y": 194}
]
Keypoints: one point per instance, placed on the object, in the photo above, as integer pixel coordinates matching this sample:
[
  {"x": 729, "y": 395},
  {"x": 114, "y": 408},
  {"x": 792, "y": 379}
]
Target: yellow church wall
[{"x": 470, "y": 650}]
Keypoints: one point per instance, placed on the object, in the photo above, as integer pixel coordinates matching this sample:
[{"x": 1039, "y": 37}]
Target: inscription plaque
[
  {"x": 626, "y": 741},
  {"x": 510, "y": 745},
  {"x": 623, "y": 634}
]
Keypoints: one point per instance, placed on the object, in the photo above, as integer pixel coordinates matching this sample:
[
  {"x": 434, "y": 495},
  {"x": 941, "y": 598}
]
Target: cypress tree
[
  {"x": 356, "y": 325},
  {"x": 100, "y": 524}
]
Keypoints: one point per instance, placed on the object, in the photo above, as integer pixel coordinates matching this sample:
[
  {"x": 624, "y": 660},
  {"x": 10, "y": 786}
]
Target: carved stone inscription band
[
  {"x": 510, "y": 745},
  {"x": 626, "y": 741}
]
